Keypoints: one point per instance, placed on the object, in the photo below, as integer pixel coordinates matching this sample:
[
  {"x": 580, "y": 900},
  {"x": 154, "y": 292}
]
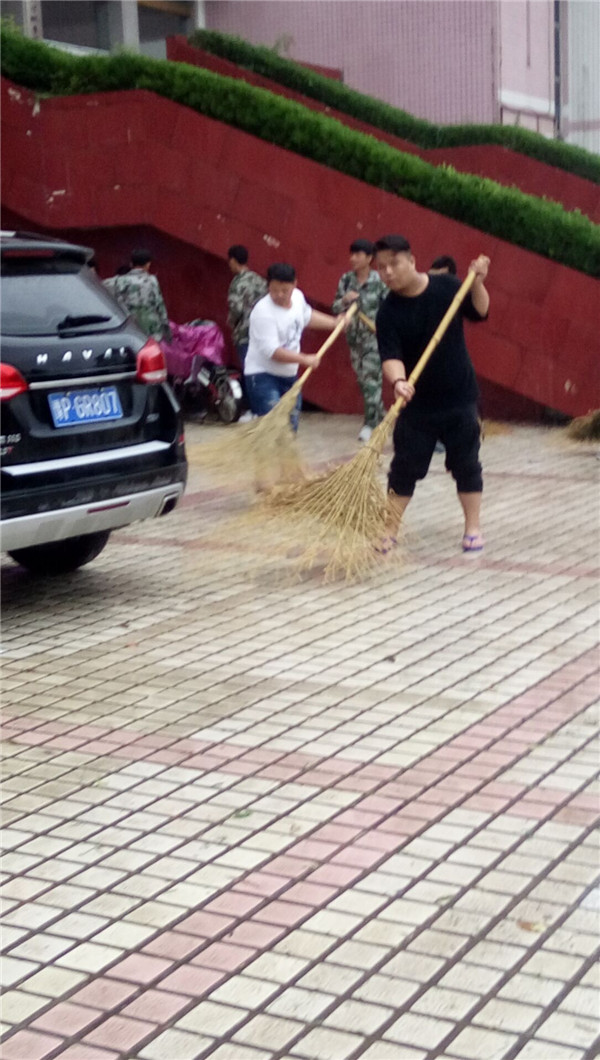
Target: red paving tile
[
  {"x": 313, "y": 849},
  {"x": 103, "y": 994},
  {"x": 239, "y": 767},
  {"x": 381, "y": 840},
  {"x": 263, "y": 883},
  {"x": 310, "y": 893},
  {"x": 81, "y": 1051},
  {"x": 139, "y": 968},
  {"x": 27, "y": 1045},
  {"x": 125, "y": 1032},
  {"x": 338, "y": 876},
  {"x": 285, "y": 913},
  {"x": 225, "y": 956},
  {"x": 336, "y": 833},
  {"x": 234, "y": 902},
  {"x": 362, "y": 857},
  {"x": 172, "y": 944},
  {"x": 290, "y": 867},
  {"x": 279, "y": 773},
  {"x": 66, "y": 1019},
  {"x": 356, "y": 783},
  {"x": 255, "y": 934},
  {"x": 360, "y": 818},
  {"x": 191, "y": 980},
  {"x": 205, "y": 925},
  {"x": 571, "y": 815},
  {"x": 156, "y": 1006}
]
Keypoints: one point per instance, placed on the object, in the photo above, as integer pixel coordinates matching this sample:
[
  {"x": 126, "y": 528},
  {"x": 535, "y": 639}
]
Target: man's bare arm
[{"x": 479, "y": 294}]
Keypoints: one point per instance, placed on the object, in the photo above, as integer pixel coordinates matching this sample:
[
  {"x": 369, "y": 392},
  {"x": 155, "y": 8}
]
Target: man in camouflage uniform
[
  {"x": 362, "y": 283},
  {"x": 139, "y": 293},
  {"x": 245, "y": 290}
]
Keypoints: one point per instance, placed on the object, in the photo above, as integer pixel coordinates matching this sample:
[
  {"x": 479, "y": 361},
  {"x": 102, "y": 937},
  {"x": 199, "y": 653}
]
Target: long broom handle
[
  {"x": 328, "y": 342},
  {"x": 367, "y": 320},
  {"x": 436, "y": 338}
]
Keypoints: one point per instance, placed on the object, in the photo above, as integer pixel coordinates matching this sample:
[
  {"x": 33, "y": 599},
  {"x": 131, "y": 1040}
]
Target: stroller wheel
[{"x": 229, "y": 399}]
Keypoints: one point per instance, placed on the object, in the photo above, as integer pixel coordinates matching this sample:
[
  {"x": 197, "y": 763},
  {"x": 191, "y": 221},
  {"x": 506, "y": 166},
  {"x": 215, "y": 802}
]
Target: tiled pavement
[{"x": 249, "y": 819}]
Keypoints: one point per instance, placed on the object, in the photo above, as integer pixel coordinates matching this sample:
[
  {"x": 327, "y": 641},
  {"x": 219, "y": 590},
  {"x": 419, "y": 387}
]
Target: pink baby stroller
[{"x": 197, "y": 371}]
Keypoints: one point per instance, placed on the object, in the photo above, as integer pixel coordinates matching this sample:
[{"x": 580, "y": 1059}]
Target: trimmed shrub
[
  {"x": 538, "y": 225},
  {"x": 263, "y": 60}
]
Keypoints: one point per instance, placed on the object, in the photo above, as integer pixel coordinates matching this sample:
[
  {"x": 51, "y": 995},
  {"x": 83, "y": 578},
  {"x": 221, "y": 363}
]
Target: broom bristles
[
  {"x": 293, "y": 543},
  {"x": 585, "y": 428},
  {"x": 263, "y": 452},
  {"x": 345, "y": 509}
]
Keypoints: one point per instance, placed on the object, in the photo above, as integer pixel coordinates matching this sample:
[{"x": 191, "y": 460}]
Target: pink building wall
[
  {"x": 526, "y": 84},
  {"x": 448, "y": 61},
  {"x": 436, "y": 59}
]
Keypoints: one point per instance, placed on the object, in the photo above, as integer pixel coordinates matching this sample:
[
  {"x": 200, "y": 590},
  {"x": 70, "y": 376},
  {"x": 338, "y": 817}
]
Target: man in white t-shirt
[{"x": 276, "y": 325}]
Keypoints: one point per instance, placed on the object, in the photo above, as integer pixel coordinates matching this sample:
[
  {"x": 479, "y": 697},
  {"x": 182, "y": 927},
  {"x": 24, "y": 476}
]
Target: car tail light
[
  {"x": 151, "y": 363},
  {"x": 11, "y": 382}
]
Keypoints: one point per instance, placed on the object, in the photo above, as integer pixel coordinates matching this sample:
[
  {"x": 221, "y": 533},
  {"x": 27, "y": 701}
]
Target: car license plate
[{"x": 85, "y": 406}]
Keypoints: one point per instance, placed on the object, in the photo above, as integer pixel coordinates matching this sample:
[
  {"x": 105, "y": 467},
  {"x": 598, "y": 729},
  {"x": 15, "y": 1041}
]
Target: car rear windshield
[{"x": 40, "y": 294}]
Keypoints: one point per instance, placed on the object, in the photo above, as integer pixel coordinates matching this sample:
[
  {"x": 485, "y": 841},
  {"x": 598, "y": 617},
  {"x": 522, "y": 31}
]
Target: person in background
[
  {"x": 244, "y": 292},
  {"x": 444, "y": 404},
  {"x": 110, "y": 281},
  {"x": 363, "y": 284},
  {"x": 140, "y": 294},
  {"x": 443, "y": 264},
  {"x": 275, "y": 333}
]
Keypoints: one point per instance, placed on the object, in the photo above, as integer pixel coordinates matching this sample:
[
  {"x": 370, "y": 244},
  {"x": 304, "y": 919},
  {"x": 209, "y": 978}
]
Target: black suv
[{"x": 91, "y": 435}]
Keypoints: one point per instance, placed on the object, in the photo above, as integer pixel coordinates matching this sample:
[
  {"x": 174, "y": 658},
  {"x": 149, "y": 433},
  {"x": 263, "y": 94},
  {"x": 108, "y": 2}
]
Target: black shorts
[{"x": 415, "y": 435}]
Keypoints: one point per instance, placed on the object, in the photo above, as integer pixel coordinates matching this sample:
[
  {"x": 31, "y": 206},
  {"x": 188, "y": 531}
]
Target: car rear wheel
[{"x": 60, "y": 557}]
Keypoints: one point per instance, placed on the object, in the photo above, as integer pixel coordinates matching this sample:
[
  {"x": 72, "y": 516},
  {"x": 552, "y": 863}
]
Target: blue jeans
[
  {"x": 265, "y": 390},
  {"x": 241, "y": 349}
]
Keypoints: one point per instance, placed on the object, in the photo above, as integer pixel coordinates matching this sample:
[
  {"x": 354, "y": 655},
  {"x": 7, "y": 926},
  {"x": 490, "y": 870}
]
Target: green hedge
[
  {"x": 382, "y": 115},
  {"x": 536, "y": 224}
]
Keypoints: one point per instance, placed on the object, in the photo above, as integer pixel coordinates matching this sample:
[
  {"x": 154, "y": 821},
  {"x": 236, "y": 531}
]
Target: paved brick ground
[{"x": 254, "y": 820}]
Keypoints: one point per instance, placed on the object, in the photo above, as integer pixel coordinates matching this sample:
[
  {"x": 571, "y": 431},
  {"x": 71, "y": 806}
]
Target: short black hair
[
  {"x": 362, "y": 245},
  {"x": 397, "y": 244},
  {"x": 123, "y": 270},
  {"x": 281, "y": 272},
  {"x": 445, "y": 262},
  {"x": 140, "y": 256},
  {"x": 238, "y": 253}
]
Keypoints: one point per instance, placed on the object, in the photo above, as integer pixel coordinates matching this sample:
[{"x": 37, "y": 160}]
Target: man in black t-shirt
[{"x": 443, "y": 407}]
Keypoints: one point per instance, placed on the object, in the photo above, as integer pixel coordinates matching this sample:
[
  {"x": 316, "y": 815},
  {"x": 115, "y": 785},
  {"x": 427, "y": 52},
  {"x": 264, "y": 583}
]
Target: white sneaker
[
  {"x": 365, "y": 433},
  {"x": 247, "y": 416}
]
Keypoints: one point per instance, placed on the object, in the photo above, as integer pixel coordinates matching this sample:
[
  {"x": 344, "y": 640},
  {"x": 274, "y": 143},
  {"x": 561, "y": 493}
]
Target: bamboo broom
[
  {"x": 265, "y": 447},
  {"x": 348, "y": 505},
  {"x": 585, "y": 428}
]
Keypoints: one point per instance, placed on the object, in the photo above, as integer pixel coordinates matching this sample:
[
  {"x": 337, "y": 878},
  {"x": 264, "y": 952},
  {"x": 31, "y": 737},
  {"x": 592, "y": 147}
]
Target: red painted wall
[
  {"x": 498, "y": 163},
  {"x": 102, "y": 164}
]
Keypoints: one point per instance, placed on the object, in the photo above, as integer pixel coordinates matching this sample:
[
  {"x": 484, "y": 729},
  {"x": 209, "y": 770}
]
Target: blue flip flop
[{"x": 472, "y": 543}]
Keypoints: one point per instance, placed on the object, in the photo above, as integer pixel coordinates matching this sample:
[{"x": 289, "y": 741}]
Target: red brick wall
[
  {"x": 100, "y": 164},
  {"x": 498, "y": 163}
]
